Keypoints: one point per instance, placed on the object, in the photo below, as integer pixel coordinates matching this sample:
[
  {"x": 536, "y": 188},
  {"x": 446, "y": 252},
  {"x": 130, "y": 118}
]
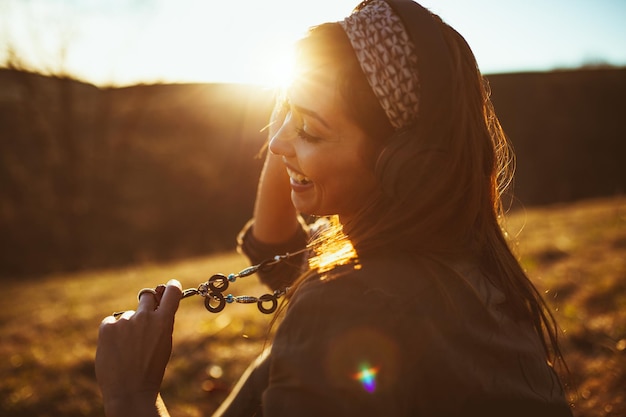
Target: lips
[{"x": 297, "y": 178}]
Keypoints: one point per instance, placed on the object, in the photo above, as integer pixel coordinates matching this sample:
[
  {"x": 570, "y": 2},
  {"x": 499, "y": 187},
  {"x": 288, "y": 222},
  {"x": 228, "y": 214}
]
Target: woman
[{"x": 408, "y": 301}]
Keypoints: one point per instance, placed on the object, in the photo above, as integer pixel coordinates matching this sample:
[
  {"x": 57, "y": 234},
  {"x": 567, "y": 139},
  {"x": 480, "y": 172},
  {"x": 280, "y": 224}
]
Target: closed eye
[{"x": 302, "y": 134}]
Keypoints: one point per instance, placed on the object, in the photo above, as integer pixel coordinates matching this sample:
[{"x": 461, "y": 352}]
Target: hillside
[
  {"x": 575, "y": 253},
  {"x": 102, "y": 177},
  {"x": 93, "y": 178}
]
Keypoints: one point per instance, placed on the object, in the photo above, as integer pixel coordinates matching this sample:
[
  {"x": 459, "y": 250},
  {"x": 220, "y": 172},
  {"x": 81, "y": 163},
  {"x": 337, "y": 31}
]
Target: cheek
[{"x": 343, "y": 176}]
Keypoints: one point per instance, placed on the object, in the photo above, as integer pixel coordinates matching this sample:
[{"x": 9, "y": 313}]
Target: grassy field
[{"x": 576, "y": 255}]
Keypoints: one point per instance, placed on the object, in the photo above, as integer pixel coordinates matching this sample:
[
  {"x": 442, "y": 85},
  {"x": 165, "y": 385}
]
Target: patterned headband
[{"x": 388, "y": 59}]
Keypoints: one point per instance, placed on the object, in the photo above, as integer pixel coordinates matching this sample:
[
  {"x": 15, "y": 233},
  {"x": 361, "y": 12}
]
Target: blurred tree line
[
  {"x": 102, "y": 177},
  {"x": 568, "y": 131},
  {"x": 93, "y": 178}
]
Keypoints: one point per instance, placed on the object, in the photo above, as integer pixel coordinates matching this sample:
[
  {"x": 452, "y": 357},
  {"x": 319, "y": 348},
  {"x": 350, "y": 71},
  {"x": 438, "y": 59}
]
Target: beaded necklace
[{"x": 213, "y": 289}]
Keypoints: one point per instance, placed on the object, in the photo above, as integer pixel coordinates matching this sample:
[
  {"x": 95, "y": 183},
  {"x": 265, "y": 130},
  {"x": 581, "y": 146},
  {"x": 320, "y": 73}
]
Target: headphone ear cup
[{"x": 392, "y": 163}]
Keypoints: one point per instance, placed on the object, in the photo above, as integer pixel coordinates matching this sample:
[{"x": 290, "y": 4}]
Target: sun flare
[{"x": 277, "y": 65}]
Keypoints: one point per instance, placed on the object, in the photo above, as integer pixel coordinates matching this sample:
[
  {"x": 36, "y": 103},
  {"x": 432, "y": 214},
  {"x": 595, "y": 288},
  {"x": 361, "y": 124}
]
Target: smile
[{"x": 297, "y": 177}]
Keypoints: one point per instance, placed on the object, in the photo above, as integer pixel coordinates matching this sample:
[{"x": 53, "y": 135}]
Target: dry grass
[
  {"x": 49, "y": 329},
  {"x": 575, "y": 253}
]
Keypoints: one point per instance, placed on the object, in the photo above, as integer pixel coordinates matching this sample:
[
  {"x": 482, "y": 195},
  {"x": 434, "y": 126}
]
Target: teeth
[{"x": 299, "y": 178}]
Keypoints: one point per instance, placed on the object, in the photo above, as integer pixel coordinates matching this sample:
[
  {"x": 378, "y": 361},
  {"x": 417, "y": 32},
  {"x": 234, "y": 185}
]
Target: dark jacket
[{"x": 398, "y": 336}]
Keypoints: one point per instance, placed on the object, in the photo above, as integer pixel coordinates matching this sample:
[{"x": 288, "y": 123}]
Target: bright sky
[{"x": 129, "y": 41}]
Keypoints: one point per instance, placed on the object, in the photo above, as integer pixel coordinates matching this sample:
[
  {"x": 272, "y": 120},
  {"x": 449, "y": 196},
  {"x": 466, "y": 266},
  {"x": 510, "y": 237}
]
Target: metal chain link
[{"x": 213, "y": 289}]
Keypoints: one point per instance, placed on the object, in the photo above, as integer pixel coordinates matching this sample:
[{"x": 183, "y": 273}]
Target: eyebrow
[{"x": 312, "y": 114}]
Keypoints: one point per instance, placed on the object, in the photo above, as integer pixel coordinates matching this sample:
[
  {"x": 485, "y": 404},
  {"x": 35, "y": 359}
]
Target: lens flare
[
  {"x": 332, "y": 252},
  {"x": 367, "y": 377}
]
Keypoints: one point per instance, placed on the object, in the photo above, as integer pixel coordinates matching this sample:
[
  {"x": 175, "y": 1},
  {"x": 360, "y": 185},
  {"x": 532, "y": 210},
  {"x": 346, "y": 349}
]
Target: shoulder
[
  {"x": 378, "y": 286},
  {"x": 335, "y": 350},
  {"x": 347, "y": 335},
  {"x": 398, "y": 335},
  {"x": 377, "y": 274},
  {"x": 380, "y": 304}
]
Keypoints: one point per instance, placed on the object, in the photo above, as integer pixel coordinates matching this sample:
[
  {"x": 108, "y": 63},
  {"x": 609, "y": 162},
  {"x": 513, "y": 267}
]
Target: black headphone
[{"x": 434, "y": 65}]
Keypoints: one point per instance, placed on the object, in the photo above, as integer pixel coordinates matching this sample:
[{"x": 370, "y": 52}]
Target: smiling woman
[{"x": 404, "y": 298}]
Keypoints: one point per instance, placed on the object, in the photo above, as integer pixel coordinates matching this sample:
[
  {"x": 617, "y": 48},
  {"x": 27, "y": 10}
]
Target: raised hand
[{"x": 133, "y": 351}]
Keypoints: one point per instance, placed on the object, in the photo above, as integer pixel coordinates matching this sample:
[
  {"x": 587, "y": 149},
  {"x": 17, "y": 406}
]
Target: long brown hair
[{"x": 455, "y": 201}]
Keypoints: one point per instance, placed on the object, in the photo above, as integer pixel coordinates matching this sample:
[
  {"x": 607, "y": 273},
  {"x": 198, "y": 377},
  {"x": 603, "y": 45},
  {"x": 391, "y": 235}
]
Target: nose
[{"x": 282, "y": 141}]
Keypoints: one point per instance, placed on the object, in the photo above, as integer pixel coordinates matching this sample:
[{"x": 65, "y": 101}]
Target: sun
[{"x": 276, "y": 65}]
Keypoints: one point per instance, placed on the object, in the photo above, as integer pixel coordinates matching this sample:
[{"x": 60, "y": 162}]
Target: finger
[
  {"x": 126, "y": 315},
  {"x": 148, "y": 300},
  {"x": 171, "y": 297},
  {"x": 160, "y": 289}
]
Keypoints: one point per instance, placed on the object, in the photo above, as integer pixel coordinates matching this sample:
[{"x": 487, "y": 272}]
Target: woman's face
[{"x": 329, "y": 159}]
